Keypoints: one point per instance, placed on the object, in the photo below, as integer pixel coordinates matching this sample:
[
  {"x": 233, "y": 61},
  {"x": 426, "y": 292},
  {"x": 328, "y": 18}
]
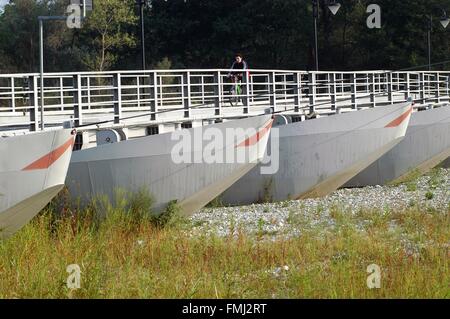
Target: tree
[
  {"x": 106, "y": 32},
  {"x": 19, "y": 35},
  {"x": 207, "y": 33}
]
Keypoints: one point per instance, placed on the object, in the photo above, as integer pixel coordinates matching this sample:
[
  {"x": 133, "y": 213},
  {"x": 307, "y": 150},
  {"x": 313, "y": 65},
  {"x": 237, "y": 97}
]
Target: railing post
[
  {"x": 202, "y": 86},
  {"x": 333, "y": 91},
  {"x": 153, "y": 77},
  {"x": 186, "y": 93},
  {"x": 218, "y": 93},
  {"x": 312, "y": 92},
  {"x": 246, "y": 87},
  {"x": 298, "y": 91},
  {"x": 13, "y": 95},
  {"x": 34, "y": 103},
  {"x": 273, "y": 91},
  {"x": 61, "y": 92},
  {"x": 372, "y": 90},
  {"x": 251, "y": 91},
  {"x": 117, "y": 98},
  {"x": 88, "y": 79},
  {"x": 437, "y": 87},
  {"x": 422, "y": 87},
  {"x": 138, "y": 90},
  {"x": 447, "y": 88},
  {"x": 353, "y": 91},
  {"x": 77, "y": 100},
  {"x": 389, "y": 85},
  {"x": 408, "y": 86}
]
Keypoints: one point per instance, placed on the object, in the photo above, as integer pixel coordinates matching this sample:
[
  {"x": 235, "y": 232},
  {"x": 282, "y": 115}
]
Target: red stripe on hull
[
  {"x": 399, "y": 120},
  {"x": 47, "y": 160},
  {"x": 257, "y": 137}
]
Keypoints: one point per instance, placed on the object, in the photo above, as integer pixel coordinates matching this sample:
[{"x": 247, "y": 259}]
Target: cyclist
[
  {"x": 237, "y": 74},
  {"x": 238, "y": 64}
]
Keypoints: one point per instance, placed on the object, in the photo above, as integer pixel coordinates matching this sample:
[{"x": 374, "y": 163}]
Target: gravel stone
[{"x": 291, "y": 218}]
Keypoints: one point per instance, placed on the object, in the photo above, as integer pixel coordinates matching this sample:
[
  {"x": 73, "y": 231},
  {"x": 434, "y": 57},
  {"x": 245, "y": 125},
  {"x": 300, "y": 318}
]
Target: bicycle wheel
[
  {"x": 239, "y": 94},
  {"x": 234, "y": 99}
]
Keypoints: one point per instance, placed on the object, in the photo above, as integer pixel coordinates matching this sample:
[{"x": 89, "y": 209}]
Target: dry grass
[{"x": 128, "y": 255}]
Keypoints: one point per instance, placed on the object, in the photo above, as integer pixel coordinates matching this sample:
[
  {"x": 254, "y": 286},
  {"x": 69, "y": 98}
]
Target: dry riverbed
[
  {"x": 319, "y": 248},
  {"x": 286, "y": 219}
]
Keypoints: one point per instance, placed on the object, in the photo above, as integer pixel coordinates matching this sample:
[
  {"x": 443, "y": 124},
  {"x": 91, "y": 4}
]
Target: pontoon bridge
[{"x": 148, "y": 99}]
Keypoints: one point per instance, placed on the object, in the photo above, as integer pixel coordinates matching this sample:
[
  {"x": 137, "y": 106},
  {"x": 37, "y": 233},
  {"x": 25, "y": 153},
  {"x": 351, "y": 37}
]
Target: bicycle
[{"x": 235, "y": 90}]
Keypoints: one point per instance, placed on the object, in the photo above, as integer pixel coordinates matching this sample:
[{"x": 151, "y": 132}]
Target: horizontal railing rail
[{"x": 140, "y": 98}]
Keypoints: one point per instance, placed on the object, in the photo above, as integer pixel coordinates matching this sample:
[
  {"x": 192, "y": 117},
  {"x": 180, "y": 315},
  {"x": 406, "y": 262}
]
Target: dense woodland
[{"x": 206, "y": 34}]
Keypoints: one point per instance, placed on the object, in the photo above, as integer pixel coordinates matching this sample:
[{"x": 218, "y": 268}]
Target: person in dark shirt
[{"x": 238, "y": 67}]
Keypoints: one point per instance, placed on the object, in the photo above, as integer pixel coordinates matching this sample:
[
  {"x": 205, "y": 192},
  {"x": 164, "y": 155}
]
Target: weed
[
  {"x": 216, "y": 203},
  {"x": 436, "y": 178},
  {"x": 429, "y": 195},
  {"x": 170, "y": 216},
  {"x": 411, "y": 186},
  {"x": 409, "y": 178},
  {"x": 267, "y": 191},
  {"x": 125, "y": 254}
]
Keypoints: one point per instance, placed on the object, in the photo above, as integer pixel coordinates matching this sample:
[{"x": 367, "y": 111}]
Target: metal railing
[{"x": 134, "y": 98}]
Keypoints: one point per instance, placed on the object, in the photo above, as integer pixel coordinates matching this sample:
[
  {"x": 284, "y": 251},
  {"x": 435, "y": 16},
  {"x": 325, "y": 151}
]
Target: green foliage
[
  {"x": 129, "y": 209},
  {"x": 410, "y": 177},
  {"x": 19, "y": 36},
  {"x": 170, "y": 216},
  {"x": 106, "y": 30},
  {"x": 164, "y": 64},
  {"x": 105, "y": 37},
  {"x": 261, "y": 224},
  {"x": 216, "y": 203},
  {"x": 206, "y": 34},
  {"x": 411, "y": 186},
  {"x": 436, "y": 178},
  {"x": 410, "y": 246}
]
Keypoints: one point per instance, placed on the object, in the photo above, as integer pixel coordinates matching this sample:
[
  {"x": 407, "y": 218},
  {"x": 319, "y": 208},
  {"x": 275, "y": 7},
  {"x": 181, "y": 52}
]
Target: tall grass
[{"x": 126, "y": 253}]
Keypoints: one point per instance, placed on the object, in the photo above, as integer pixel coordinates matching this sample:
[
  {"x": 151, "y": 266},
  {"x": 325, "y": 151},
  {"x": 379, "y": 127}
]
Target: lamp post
[
  {"x": 41, "y": 59},
  {"x": 85, "y": 5},
  {"x": 445, "y": 20},
  {"x": 141, "y": 4},
  {"x": 334, "y": 7}
]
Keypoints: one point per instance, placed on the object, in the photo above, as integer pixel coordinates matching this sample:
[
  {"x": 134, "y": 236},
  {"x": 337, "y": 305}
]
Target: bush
[{"x": 170, "y": 217}]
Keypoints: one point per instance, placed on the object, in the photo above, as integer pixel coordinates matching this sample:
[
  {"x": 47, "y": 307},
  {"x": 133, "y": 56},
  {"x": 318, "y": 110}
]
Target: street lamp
[
  {"x": 142, "y": 4},
  {"x": 41, "y": 59},
  {"x": 85, "y": 5},
  {"x": 444, "y": 22},
  {"x": 334, "y": 7}
]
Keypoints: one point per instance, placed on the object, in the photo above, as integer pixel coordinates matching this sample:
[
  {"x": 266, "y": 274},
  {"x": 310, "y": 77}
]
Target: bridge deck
[{"x": 133, "y": 98}]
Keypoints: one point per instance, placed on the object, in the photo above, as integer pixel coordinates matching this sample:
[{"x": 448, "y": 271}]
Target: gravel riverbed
[{"x": 290, "y": 218}]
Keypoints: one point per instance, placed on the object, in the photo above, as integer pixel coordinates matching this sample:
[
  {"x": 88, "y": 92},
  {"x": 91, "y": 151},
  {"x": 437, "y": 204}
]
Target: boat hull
[
  {"x": 318, "y": 156},
  {"x": 147, "y": 164},
  {"x": 426, "y": 145},
  {"x": 33, "y": 169}
]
